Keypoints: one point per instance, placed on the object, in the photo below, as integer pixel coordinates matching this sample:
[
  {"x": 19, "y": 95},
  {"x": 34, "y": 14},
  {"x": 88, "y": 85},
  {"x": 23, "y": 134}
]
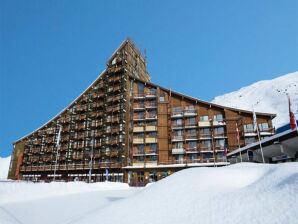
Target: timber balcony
[
  {"x": 151, "y": 116},
  {"x": 177, "y": 151},
  {"x": 150, "y": 105},
  {"x": 191, "y": 136},
  {"x": 151, "y": 140},
  {"x": 179, "y": 112},
  {"x": 150, "y": 93},
  {"x": 65, "y": 120},
  {"x": 97, "y": 105},
  {"x": 138, "y": 129},
  {"x": 138, "y": 141},
  {"x": 51, "y": 131},
  {"x": 139, "y": 106},
  {"x": 205, "y": 135},
  {"x": 97, "y": 95},
  {"x": 219, "y": 135},
  {"x": 114, "y": 78},
  {"x": 81, "y": 108},
  {"x": 177, "y": 138}
]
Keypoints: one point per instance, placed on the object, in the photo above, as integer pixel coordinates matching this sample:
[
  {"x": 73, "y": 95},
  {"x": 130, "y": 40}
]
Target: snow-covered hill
[
  {"x": 4, "y": 166},
  {"x": 242, "y": 193},
  {"x": 266, "y": 96}
]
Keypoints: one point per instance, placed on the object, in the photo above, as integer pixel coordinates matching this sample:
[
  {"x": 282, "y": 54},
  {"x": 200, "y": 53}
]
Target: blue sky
[{"x": 50, "y": 51}]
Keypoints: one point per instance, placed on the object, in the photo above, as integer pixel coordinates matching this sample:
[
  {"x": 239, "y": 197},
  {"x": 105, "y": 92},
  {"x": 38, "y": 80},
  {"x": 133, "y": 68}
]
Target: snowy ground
[
  {"x": 4, "y": 165},
  {"x": 241, "y": 193}
]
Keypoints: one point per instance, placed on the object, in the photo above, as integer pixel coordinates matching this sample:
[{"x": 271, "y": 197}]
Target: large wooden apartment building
[{"x": 125, "y": 128}]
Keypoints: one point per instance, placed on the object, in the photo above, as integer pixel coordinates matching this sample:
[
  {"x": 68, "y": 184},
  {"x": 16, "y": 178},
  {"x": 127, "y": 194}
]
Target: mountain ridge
[{"x": 267, "y": 96}]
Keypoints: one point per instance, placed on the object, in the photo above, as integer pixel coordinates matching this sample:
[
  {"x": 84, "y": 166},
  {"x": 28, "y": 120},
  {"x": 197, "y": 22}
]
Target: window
[
  {"x": 152, "y": 158},
  {"x": 178, "y": 145},
  {"x": 263, "y": 126},
  {"x": 177, "y": 133},
  {"x": 220, "y": 143},
  {"x": 193, "y": 157},
  {"x": 151, "y": 134},
  {"x": 204, "y": 118},
  {"x": 139, "y": 115},
  {"x": 191, "y": 121},
  {"x": 207, "y": 156},
  {"x": 161, "y": 99},
  {"x": 141, "y": 87},
  {"x": 219, "y": 130},
  {"x": 248, "y": 128},
  {"x": 177, "y": 122},
  {"x": 151, "y": 123},
  {"x": 140, "y": 149},
  {"x": 205, "y": 131},
  {"x": 153, "y": 148},
  {"x": 177, "y": 109},
  {"x": 190, "y": 108},
  {"x": 218, "y": 117},
  {"x": 139, "y": 124},
  {"x": 206, "y": 144},
  {"x": 191, "y": 132},
  {"x": 139, "y": 135},
  {"x": 192, "y": 145}
]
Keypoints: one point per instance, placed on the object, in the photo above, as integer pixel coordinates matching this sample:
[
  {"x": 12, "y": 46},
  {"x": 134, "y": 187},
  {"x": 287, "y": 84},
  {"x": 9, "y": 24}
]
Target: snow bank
[
  {"x": 267, "y": 96},
  {"x": 4, "y": 166},
  {"x": 242, "y": 193},
  {"x": 22, "y": 191}
]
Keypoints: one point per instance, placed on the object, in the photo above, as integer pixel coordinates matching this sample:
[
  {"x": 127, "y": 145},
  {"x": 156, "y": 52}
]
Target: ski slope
[
  {"x": 241, "y": 193},
  {"x": 265, "y": 96}
]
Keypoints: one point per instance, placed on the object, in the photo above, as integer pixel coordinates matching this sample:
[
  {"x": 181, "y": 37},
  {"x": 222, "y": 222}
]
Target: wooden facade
[{"x": 125, "y": 128}]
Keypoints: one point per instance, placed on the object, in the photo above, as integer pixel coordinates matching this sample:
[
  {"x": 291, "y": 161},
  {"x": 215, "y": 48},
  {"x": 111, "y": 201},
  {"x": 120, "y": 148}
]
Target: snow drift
[
  {"x": 4, "y": 166},
  {"x": 242, "y": 193},
  {"x": 266, "y": 96}
]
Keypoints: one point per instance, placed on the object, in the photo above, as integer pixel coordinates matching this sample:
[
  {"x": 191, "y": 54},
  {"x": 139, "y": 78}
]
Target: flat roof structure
[{"x": 282, "y": 146}]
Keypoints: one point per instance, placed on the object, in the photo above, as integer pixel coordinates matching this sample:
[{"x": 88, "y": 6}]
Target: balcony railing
[
  {"x": 138, "y": 140},
  {"x": 177, "y": 114},
  {"x": 204, "y": 123},
  {"x": 151, "y": 128},
  {"x": 177, "y": 138},
  {"x": 205, "y": 135},
  {"x": 190, "y": 124},
  {"x": 151, "y": 105},
  {"x": 189, "y": 113},
  {"x": 151, "y": 140},
  {"x": 139, "y": 117},
  {"x": 138, "y": 129},
  {"x": 219, "y": 135},
  {"x": 150, "y": 93},
  {"x": 151, "y": 116},
  {"x": 191, "y": 136},
  {"x": 176, "y": 151},
  {"x": 139, "y": 95},
  {"x": 139, "y": 106}
]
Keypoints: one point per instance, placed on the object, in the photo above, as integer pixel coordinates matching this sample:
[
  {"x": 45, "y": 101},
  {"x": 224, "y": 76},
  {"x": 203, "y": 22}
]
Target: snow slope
[
  {"x": 266, "y": 96},
  {"x": 4, "y": 166},
  {"x": 35, "y": 203},
  {"x": 241, "y": 193}
]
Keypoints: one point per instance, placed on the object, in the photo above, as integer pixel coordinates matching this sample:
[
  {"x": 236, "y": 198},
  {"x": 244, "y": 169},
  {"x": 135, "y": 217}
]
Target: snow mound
[
  {"x": 22, "y": 191},
  {"x": 4, "y": 166},
  {"x": 266, "y": 96},
  {"x": 242, "y": 193}
]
